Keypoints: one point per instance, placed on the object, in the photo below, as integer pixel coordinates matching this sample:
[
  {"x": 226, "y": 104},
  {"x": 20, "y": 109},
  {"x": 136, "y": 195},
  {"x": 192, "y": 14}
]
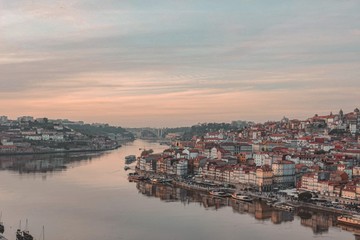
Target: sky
[{"x": 178, "y": 62}]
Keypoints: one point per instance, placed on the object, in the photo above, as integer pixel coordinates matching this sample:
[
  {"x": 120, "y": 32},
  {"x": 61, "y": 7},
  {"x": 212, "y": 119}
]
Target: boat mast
[{"x": 26, "y": 226}]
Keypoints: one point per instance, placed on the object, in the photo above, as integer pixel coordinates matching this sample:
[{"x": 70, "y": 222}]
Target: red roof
[
  {"x": 7, "y": 147},
  {"x": 285, "y": 162}
]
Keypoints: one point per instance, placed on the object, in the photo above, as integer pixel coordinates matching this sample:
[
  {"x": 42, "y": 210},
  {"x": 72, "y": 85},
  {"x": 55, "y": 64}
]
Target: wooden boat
[
  {"x": 23, "y": 235},
  {"x": 349, "y": 220}
]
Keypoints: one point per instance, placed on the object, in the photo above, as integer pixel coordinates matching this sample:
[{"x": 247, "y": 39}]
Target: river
[{"x": 88, "y": 197}]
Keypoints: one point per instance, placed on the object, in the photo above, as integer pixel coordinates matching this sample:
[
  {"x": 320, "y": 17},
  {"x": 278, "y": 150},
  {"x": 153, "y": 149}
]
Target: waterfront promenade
[{"x": 282, "y": 198}]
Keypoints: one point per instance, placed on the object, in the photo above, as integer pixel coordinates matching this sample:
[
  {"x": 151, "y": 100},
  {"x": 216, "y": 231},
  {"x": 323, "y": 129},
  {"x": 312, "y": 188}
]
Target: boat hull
[
  {"x": 349, "y": 221},
  {"x": 242, "y": 198}
]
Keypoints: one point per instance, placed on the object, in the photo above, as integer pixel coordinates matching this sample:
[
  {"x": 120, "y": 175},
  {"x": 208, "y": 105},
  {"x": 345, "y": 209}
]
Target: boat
[
  {"x": 126, "y": 168},
  {"x": 218, "y": 193},
  {"x": 130, "y": 159},
  {"x": 349, "y": 220},
  {"x": 27, "y": 235},
  {"x": 136, "y": 177},
  {"x": 167, "y": 180},
  {"x": 283, "y": 206},
  {"x": 23, "y": 235},
  {"x": 2, "y": 228},
  {"x": 271, "y": 202},
  {"x": 19, "y": 235},
  {"x": 239, "y": 196},
  {"x": 155, "y": 180}
]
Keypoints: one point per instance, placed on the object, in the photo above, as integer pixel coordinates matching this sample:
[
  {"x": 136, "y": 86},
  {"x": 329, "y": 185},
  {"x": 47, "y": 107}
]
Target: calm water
[{"x": 88, "y": 197}]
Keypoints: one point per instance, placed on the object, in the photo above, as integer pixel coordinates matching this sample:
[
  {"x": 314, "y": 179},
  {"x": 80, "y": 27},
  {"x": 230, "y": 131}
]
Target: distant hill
[
  {"x": 202, "y": 128},
  {"x": 103, "y": 130}
]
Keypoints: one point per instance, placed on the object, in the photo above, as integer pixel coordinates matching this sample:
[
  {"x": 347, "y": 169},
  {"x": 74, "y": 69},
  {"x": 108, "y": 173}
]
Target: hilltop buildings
[
  {"x": 320, "y": 154},
  {"x": 29, "y": 135}
]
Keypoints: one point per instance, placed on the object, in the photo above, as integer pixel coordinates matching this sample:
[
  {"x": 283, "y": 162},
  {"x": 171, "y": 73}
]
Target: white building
[
  {"x": 33, "y": 137},
  {"x": 262, "y": 159},
  {"x": 182, "y": 168}
]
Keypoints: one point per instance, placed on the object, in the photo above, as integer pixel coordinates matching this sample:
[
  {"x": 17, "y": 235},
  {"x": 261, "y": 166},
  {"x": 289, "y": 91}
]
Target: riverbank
[
  {"x": 60, "y": 151},
  {"x": 268, "y": 196}
]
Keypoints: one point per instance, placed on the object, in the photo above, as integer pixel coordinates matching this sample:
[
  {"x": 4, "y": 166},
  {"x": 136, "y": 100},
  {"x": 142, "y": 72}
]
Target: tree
[
  {"x": 145, "y": 153},
  {"x": 320, "y": 152},
  {"x": 305, "y": 196}
]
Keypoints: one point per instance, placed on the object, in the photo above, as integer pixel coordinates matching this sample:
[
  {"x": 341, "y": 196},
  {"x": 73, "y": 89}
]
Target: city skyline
[{"x": 138, "y": 64}]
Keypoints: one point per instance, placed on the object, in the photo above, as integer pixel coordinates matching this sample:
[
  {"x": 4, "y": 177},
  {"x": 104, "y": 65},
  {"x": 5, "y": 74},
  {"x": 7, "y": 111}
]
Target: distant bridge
[{"x": 147, "y": 133}]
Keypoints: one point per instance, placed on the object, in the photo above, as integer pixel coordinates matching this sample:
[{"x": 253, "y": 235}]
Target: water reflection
[
  {"x": 43, "y": 163},
  {"x": 97, "y": 193},
  {"x": 260, "y": 210},
  {"x": 318, "y": 222}
]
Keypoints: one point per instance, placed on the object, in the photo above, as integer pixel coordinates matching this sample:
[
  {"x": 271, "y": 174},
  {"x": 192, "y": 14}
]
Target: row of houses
[
  {"x": 333, "y": 184},
  {"x": 162, "y": 164},
  {"x": 321, "y": 154},
  {"x": 280, "y": 174},
  {"x": 184, "y": 162}
]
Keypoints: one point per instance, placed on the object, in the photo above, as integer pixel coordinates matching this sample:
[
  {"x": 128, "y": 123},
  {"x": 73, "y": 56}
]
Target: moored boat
[
  {"x": 241, "y": 197},
  {"x": 349, "y": 220},
  {"x": 136, "y": 177},
  {"x": 27, "y": 235},
  {"x": 154, "y": 180},
  {"x": 283, "y": 206},
  {"x": 271, "y": 202},
  {"x": 19, "y": 235},
  {"x": 2, "y": 228},
  {"x": 218, "y": 193},
  {"x": 23, "y": 235},
  {"x": 130, "y": 159}
]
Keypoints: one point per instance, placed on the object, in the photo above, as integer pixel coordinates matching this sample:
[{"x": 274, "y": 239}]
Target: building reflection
[
  {"x": 260, "y": 210},
  {"x": 43, "y": 163},
  {"x": 319, "y": 222},
  {"x": 355, "y": 230}
]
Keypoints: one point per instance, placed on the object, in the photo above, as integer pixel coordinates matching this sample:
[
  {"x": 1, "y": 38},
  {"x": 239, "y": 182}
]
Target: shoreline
[
  {"x": 296, "y": 204},
  {"x": 59, "y": 152}
]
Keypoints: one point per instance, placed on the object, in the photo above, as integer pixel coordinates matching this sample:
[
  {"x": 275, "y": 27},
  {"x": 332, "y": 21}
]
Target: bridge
[{"x": 147, "y": 133}]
